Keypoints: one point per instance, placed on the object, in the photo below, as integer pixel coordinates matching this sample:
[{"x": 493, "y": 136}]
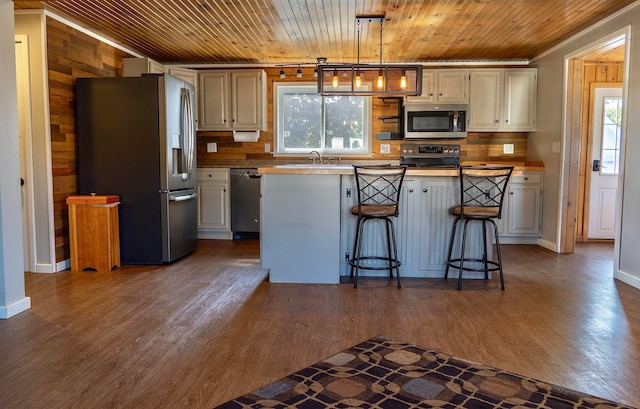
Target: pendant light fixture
[{"x": 369, "y": 79}]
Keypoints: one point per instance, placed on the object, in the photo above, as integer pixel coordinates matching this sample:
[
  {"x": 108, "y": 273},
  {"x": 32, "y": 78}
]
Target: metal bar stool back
[
  {"x": 379, "y": 190},
  {"x": 482, "y": 190}
]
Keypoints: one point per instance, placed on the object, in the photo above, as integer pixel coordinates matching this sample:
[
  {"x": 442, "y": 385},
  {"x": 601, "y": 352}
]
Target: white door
[
  {"x": 24, "y": 135},
  {"x": 605, "y": 156}
]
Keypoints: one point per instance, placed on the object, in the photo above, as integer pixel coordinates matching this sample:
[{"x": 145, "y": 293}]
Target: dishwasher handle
[
  {"x": 183, "y": 197},
  {"x": 253, "y": 175}
]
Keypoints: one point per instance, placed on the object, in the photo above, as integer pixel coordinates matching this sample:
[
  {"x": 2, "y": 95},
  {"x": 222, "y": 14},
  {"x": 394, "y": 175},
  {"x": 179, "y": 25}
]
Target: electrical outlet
[
  {"x": 385, "y": 148},
  {"x": 555, "y": 147},
  {"x": 507, "y": 149},
  {"x": 212, "y": 147}
]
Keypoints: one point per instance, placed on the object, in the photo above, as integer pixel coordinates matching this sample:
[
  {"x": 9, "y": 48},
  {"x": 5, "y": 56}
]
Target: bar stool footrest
[
  {"x": 355, "y": 262},
  {"x": 452, "y": 263}
]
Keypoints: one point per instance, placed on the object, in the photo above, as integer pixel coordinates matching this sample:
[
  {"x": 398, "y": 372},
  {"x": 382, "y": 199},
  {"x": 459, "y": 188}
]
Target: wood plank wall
[
  {"x": 592, "y": 72},
  {"x": 477, "y": 147},
  {"x": 70, "y": 55}
]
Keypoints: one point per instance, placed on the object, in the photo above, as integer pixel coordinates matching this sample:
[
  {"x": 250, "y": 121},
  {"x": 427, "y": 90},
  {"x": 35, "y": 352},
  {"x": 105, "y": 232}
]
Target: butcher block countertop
[{"x": 310, "y": 169}]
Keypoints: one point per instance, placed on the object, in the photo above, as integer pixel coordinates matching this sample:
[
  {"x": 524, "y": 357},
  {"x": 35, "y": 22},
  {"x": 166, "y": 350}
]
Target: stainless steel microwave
[{"x": 423, "y": 121}]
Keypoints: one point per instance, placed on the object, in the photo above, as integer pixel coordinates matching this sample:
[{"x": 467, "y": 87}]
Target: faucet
[{"x": 314, "y": 158}]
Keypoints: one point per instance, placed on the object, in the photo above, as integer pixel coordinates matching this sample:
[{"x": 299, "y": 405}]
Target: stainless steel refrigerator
[{"x": 136, "y": 139}]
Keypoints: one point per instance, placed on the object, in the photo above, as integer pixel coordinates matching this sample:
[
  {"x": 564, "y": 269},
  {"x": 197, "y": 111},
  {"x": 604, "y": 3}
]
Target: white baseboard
[
  {"x": 518, "y": 240},
  {"x": 53, "y": 268},
  {"x": 632, "y": 280},
  {"x": 15, "y": 308},
  {"x": 215, "y": 235},
  {"x": 547, "y": 245}
]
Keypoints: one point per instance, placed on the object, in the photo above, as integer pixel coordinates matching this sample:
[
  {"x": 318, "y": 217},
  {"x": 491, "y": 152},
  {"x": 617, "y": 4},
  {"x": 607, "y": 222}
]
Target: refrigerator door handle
[
  {"x": 183, "y": 197},
  {"x": 188, "y": 132}
]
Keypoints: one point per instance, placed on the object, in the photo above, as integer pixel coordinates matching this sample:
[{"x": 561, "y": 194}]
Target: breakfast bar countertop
[{"x": 343, "y": 169}]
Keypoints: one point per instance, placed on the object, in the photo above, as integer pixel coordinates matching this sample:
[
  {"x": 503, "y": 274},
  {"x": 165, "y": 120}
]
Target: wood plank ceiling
[{"x": 300, "y": 31}]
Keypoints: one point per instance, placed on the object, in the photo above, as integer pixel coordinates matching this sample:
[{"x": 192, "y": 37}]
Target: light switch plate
[
  {"x": 212, "y": 147},
  {"x": 385, "y": 148},
  {"x": 507, "y": 149},
  {"x": 267, "y": 147},
  {"x": 555, "y": 147}
]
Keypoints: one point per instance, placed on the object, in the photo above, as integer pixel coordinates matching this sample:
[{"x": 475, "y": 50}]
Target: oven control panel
[
  {"x": 429, "y": 150},
  {"x": 423, "y": 155}
]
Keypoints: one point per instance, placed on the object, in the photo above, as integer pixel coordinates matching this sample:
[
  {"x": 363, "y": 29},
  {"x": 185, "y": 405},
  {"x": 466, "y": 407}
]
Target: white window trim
[{"x": 280, "y": 87}]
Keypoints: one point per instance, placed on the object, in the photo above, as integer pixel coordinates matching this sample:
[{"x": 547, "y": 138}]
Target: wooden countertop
[{"x": 310, "y": 169}]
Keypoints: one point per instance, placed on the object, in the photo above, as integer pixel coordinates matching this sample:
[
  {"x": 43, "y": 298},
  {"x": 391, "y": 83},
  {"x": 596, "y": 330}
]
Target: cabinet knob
[
  {"x": 440, "y": 94},
  {"x": 511, "y": 193},
  {"x": 497, "y": 120},
  {"x": 526, "y": 178},
  {"x": 410, "y": 190},
  {"x": 425, "y": 190}
]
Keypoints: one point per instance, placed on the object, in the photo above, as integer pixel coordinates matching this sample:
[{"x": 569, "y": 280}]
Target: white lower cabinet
[
  {"x": 213, "y": 204},
  {"x": 521, "y": 210}
]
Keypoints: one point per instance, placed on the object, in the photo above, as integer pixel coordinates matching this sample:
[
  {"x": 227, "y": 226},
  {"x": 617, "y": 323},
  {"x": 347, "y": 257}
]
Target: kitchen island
[{"x": 307, "y": 229}]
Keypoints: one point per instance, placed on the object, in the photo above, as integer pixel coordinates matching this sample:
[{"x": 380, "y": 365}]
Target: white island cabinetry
[
  {"x": 308, "y": 230},
  {"x": 300, "y": 228}
]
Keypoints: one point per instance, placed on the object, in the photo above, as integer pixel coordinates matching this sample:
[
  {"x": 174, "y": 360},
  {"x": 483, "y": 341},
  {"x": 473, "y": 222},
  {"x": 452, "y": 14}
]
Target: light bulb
[
  {"x": 334, "y": 83},
  {"x": 380, "y": 82},
  {"x": 403, "y": 81},
  {"x": 358, "y": 80},
  {"x": 299, "y": 73},
  {"x": 282, "y": 74}
]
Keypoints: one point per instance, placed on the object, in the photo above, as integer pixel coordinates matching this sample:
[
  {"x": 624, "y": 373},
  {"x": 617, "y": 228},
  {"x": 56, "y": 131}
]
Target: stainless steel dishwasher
[{"x": 245, "y": 203}]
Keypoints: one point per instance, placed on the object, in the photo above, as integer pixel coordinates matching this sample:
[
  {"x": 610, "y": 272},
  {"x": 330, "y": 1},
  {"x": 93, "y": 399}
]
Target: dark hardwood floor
[{"x": 210, "y": 327}]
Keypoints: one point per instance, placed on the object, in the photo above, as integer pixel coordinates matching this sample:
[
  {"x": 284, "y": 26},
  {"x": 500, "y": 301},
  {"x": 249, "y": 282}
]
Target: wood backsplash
[{"x": 477, "y": 146}]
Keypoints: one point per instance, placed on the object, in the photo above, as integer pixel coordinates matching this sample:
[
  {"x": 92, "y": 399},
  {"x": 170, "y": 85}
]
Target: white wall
[
  {"x": 12, "y": 295},
  {"x": 550, "y": 129}
]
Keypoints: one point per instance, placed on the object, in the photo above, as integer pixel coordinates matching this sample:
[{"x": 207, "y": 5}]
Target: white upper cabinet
[
  {"x": 447, "y": 86},
  {"x": 232, "y": 100},
  {"x": 135, "y": 67},
  {"x": 502, "y": 100},
  {"x": 520, "y": 91}
]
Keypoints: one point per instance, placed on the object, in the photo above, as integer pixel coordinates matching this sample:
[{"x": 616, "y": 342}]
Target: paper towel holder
[{"x": 246, "y": 136}]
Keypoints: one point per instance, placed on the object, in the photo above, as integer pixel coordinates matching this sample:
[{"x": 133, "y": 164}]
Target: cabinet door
[
  {"x": 436, "y": 198},
  {"x": 246, "y": 100},
  {"x": 428, "y": 92},
  {"x": 452, "y": 87},
  {"x": 520, "y": 99},
  {"x": 524, "y": 209},
  {"x": 213, "y": 213},
  {"x": 213, "y": 101},
  {"x": 485, "y": 103}
]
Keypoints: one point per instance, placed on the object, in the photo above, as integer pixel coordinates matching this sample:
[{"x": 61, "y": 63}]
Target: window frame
[
  {"x": 615, "y": 171},
  {"x": 280, "y": 88}
]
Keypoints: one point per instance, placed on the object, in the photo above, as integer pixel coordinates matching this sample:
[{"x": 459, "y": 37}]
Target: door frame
[
  {"x": 566, "y": 233},
  {"x": 26, "y": 149}
]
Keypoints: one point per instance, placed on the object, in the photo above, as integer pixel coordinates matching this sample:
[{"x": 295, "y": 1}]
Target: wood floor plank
[{"x": 209, "y": 327}]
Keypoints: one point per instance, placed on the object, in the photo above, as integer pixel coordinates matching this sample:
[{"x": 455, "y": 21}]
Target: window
[
  {"x": 611, "y": 135},
  {"x": 306, "y": 121}
]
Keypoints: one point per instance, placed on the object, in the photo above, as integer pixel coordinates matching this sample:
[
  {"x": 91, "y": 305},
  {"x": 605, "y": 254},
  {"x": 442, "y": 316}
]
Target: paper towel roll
[{"x": 246, "y": 136}]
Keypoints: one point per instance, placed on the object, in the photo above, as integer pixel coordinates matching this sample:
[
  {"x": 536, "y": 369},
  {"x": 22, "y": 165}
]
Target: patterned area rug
[{"x": 383, "y": 373}]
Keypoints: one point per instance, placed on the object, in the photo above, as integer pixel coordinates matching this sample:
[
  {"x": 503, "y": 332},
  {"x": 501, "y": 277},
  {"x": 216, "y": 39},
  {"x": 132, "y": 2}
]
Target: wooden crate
[{"x": 94, "y": 232}]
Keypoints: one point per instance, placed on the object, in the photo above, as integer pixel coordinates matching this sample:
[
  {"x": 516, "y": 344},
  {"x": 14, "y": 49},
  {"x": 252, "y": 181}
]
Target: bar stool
[
  {"x": 378, "y": 196},
  {"x": 482, "y": 190}
]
